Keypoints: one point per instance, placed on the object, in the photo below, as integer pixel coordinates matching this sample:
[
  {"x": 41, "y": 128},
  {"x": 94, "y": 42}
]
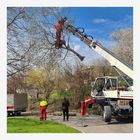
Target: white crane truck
[{"x": 105, "y": 90}]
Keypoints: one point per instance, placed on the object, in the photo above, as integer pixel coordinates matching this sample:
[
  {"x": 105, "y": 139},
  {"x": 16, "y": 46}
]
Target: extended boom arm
[{"x": 94, "y": 45}]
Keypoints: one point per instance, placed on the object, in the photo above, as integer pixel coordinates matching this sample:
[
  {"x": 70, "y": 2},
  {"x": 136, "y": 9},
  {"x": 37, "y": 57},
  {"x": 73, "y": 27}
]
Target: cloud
[
  {"x": 125, "y": 21},
  {"x": 76, "y": 47},
  {"x": 108, "y": 43},
  {"x": 100, "y": 20},
  {"x": 89, "y": 30}
]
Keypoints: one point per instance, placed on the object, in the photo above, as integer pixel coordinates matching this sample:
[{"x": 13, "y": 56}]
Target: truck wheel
[
  {"x": 107, "y": 114},
  {"x": 8, "y": 114},
  {"x": 18, "y": 113}
]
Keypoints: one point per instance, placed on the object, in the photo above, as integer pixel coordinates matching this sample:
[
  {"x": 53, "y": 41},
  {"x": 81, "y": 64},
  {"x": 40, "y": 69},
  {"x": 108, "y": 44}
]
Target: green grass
[{"x": 23, "y": 125}]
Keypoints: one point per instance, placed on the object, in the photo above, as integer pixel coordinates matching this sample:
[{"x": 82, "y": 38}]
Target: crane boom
[{"x": 107, "y": 54}]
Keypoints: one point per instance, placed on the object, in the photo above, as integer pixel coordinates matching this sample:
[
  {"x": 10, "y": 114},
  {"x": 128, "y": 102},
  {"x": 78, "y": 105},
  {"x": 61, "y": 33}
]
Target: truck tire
[
  {"x": 17, "y": 113},
  {"x": 107, "y": 114},
  {"x": 9, "y": 113}
]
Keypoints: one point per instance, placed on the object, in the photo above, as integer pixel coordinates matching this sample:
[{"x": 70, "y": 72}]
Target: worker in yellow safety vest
[{"x": 43, "y": 108}]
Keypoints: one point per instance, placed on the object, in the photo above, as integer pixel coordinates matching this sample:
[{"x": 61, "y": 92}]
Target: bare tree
[
  {"x": 30, "y": 38},
  {"x": 124, "y": 46}
]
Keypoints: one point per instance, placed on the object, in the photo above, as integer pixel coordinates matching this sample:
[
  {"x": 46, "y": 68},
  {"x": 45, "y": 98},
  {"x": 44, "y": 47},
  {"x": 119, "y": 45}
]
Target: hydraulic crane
[{"x": 105, "y": 90}]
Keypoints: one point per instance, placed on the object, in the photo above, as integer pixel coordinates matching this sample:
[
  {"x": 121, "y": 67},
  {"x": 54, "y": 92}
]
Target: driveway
[{"x": 95, "y": 124}]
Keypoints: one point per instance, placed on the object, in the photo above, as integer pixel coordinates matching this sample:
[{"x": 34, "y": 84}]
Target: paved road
[
  {"x": 90, "y": 124},
  {"x": 94, "y": 124}
]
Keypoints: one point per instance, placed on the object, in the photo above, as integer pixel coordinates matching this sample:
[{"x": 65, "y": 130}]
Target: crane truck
[{"x": 106, "y": 91}]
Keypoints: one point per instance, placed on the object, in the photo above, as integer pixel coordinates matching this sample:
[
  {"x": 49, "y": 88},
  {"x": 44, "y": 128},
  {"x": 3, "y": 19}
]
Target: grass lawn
[{"x": 24, "y": 125}]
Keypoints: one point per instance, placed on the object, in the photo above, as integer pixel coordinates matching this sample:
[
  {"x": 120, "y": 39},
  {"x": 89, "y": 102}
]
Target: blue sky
[{"x": 99, "y": 22}]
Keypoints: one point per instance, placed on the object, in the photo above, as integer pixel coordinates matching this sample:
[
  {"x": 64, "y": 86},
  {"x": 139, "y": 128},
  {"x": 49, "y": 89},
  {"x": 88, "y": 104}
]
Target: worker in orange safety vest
[
  {"x": 43, "y": 108},
  {"x": 58, "y": 28}
]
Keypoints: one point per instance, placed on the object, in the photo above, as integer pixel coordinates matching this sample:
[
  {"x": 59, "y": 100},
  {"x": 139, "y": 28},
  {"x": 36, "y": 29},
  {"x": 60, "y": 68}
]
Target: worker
[
  {"x": 65, "y": 108},
  {"x": 58, "y": 27},
  {"x": 43, "y": 108}
]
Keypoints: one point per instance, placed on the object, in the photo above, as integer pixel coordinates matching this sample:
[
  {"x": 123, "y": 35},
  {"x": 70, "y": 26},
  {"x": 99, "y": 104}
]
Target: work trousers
[
  {"x": 43, "y": 113},
  {"x": 65, "y": 114}
]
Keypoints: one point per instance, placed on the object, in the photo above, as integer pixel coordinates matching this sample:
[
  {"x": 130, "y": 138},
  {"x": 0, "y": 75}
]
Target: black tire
[
  {"x": 107, "y": 114},
  {"x": 9, "y": 114},
  {"x": 17, "y": 113}
]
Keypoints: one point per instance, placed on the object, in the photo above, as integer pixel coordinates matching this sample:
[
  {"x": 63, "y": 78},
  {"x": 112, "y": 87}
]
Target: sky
[{"x": 99, "y": 22}]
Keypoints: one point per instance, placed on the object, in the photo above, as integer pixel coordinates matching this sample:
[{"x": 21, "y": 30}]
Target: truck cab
[{"x": 108, "y": 86}]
